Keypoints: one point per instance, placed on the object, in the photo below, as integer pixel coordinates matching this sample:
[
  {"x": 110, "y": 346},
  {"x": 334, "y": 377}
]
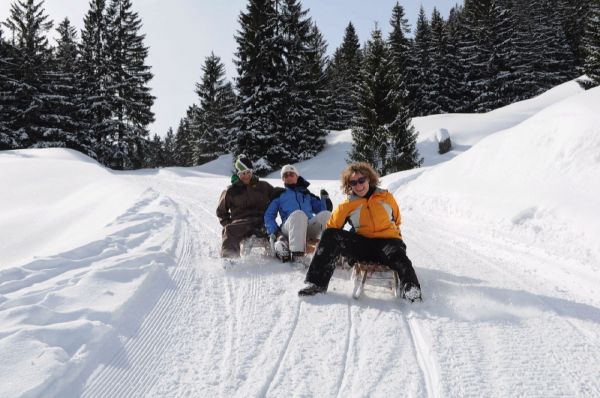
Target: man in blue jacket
[{"x": 303, "y": 215}]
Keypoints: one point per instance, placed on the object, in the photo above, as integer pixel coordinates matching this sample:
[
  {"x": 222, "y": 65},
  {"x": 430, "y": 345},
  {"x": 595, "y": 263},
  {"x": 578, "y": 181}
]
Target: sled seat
[
  {"x": 363, "y": 270},
  {"x": 311, "y": 246},
  {"x": 257, "y": 242}
]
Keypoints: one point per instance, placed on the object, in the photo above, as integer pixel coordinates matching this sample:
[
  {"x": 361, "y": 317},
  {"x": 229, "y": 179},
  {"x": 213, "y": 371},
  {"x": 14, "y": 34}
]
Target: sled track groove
[
  {"x": 565, "y": 349},
  {"x": 425, "y": 359},
  {"x": 267, "y": 386},
  {"x": 231, "y": 332},
  {"x": 349, "y": 339},
  {"x": 133, "y": 372}
]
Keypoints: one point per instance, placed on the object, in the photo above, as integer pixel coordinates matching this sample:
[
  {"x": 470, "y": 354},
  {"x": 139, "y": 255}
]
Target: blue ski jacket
[{"x": 291, "y": 199}]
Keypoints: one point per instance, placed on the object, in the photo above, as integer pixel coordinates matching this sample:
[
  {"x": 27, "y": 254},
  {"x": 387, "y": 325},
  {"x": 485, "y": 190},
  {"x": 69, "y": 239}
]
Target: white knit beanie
[{"x": 288, "y": 168}]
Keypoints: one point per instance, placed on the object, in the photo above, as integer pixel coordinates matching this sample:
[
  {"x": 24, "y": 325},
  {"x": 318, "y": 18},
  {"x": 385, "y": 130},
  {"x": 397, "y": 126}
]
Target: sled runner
[{"x": 363, "y": 270}]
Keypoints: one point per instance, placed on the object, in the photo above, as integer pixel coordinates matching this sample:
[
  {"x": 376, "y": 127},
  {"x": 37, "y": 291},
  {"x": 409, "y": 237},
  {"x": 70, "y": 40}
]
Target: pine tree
[
  {"x": 185, "y": 141},
  {"x": 543, "y": 57},
  {"x": 215, "y": 110},
  {"x": 440, "y": 73},
  {"x": 399, "y": 46},
  {"x": 375, "y": 109},
  {"x": 66, "y": 127},
  {"x": 129, "y": 94},
  {"x": 401, "y": 143},
  {"x": 32, "y": 58},
  {"x": 557, "y": 64},
  {"x": 154, "y": 153},
  {"x": 344, "y": 72},
  {"x": 316, "y": 89},
  {"x": 486, "y": 53},
  {"x": 259, "y": 62},
  {"x": 382, "y": 133},
  {"x": 573, "y": 20},
  {"x": 591, "y": 47},
  {"x": 421, "y": 83},
  {"x": 456, "y": 70},
  {"x": 94, "y": 103},
  {"x": 168, "y": 149},
  {"x": 8, "y": 111},
  {"x": 303, "y": 132}
]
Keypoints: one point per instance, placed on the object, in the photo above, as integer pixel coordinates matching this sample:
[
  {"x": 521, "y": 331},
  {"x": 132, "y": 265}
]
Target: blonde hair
[{"x": 358, "y": 167}]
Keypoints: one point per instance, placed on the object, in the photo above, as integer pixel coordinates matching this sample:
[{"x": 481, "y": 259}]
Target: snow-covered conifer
[
  {"x": 29, "y": 24},
  {"x": 303, "y": 132},
  {"x": 399, "y": 45},
  {"x": 168, "y": 148},
  {"x": 260, "y": 63},
  {"x": 374, "y": 106},
  {"x": 94, "y": 104},
  {"x": 343, "y": 77},
  {"x": 216, "y": 110},
  {"x": 440, "y": 73},
  {"x": 591, "y": 46},
  {"x": 128, "y": 91},
  {"x": 8, "y": 111},
  {"x": 420, "y": 85},
  {"x": 65, "y": 127}
]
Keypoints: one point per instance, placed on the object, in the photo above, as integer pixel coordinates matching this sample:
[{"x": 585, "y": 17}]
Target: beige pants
[{"x": 298, "y": 228}]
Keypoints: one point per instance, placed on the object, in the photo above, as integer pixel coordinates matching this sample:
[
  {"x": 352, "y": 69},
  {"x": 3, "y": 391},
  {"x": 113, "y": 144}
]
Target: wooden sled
[
  {"x": 256, "y": 244},
  {"x": 363, "y": 270}
]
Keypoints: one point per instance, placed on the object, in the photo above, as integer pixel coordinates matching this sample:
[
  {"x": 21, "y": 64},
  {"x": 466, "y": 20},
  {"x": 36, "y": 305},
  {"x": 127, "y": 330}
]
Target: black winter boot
[
  {"x": 411, "y": 292},
  {"x": 311, "y": 289}
]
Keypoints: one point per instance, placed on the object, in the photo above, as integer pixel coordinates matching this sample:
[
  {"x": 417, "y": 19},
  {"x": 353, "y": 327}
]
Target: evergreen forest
[{"x": 89, "y": 90}]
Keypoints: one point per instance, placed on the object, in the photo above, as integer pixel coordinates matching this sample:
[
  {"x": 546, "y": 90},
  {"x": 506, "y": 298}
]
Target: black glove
[{"x": 325, "y": 196}]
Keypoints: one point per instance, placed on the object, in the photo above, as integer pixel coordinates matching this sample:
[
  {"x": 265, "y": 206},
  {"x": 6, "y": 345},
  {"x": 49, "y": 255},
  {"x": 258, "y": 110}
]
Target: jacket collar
[
  {"x": 235, "y": 180},
  {"x": 300, "y": 184}
]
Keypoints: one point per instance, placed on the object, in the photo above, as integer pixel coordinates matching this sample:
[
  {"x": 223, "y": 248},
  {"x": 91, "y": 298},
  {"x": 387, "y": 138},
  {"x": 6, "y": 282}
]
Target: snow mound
[
  {"x": 467, "y": 130},
  {"x": 541, "y": 176},
  {"x": 63, "y": 198}
]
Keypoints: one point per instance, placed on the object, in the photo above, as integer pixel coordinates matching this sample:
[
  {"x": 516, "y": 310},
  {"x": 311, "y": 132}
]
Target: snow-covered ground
[{"x": 110, "y": 283}]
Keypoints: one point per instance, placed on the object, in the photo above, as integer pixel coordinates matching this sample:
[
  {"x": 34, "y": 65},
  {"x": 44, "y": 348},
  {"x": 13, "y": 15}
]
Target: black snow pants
[{"x": 335, "y": 242}]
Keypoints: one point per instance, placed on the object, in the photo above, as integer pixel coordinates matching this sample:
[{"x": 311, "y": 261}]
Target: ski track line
[
  {"x": 425, "y": 359},
  {"x": 228, "y": 350},
  {"x": 476, "y": 252},
  {"x": 349, "y": 339},
  {"x": 264, "y": 391},
  {"x": 145, "y": 349},
  {"x": 570, "y": 325},
  {"x": 552, "y": 308}
]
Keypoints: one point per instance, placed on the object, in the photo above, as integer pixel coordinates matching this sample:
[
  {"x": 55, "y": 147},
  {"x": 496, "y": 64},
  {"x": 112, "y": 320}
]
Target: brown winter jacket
[{"x": 242, "y": 202}]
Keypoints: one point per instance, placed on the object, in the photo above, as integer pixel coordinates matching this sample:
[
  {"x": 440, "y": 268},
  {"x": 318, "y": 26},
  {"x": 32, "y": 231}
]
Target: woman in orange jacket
[{"x": 375, "y": 219}]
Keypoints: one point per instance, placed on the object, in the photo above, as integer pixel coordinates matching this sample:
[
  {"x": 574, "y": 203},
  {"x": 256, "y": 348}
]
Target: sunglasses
[
  {"x": 359, "y": 181},
  {"x": 289, "y": 174}
]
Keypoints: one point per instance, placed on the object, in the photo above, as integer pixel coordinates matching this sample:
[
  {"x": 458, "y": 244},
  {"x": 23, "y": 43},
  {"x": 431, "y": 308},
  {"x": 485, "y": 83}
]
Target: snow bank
[
  {"x": 467, "y": 130},
  {"x": 541, "y": 177},
  {"x": 91, "y": 248},
  {"x": 55, "y": 199}
]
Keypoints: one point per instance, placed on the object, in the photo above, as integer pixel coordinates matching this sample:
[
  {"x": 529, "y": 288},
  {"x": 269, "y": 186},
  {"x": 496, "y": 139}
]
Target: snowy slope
[{"x": 110, "y": 283}]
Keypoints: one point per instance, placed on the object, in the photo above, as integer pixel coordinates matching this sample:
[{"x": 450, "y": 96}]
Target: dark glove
[{"x": 325, "y": 197}]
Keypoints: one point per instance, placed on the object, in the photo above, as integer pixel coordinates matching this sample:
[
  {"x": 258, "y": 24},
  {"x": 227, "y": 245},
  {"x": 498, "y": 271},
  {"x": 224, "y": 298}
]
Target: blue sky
[{"x": 182, "y": 33}]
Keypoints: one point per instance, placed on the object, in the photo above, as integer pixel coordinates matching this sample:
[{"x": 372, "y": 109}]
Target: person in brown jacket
[{"x": 241, "y": 207}]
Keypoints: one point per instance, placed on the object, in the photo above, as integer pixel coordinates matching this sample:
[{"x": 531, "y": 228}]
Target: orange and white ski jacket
[{"x": 376, "y": 217}]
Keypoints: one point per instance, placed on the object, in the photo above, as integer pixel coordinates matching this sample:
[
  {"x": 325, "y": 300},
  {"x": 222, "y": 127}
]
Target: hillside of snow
[{"x": 111, "y": 284}]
